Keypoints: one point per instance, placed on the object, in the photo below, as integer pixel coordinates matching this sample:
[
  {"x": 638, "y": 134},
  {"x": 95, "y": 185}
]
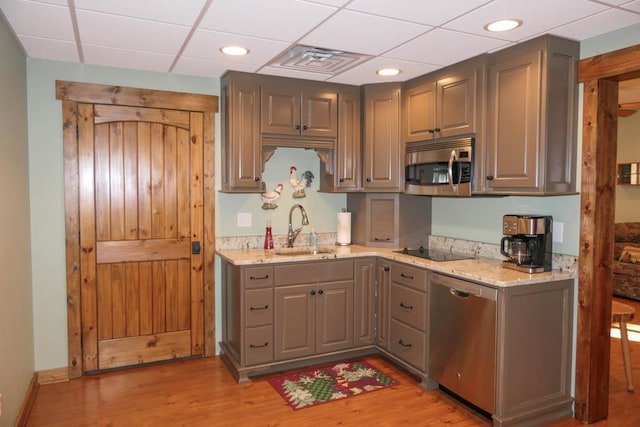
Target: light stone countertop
[{"x": 484, "y": 270}]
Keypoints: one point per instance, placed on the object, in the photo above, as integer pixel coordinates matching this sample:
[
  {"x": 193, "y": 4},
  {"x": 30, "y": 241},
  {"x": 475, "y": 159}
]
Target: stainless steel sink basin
[{"x": 303, "y": 250}]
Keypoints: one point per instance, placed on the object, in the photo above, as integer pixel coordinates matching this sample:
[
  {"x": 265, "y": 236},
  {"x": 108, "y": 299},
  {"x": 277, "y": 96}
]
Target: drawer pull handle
[
  {"x": 258, "y": 346},
  {"x": 410, "y": 307},
  {"x": 459, "y": 293},
  {"x": 259, "y": 308},
  {"x": 386, "y": 239},
  {"x": 266, "y": 276},
  {"x": 403, "y": 344},
  {"x": 405, "y": 276}
]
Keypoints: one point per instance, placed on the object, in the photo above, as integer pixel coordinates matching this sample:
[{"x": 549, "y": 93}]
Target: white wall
[
  {"x": 16, "y": 322},
  {"x": 628, "y": 196}
]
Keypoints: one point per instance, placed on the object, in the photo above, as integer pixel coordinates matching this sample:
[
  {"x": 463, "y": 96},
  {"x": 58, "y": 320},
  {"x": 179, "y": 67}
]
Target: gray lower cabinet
[{"x": 364, "y": 304}]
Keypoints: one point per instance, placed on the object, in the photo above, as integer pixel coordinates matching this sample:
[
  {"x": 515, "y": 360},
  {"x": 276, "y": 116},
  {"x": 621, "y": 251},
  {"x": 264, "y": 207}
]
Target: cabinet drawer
[
  {"x": 409, "y": 306},
  {"x": 258, "y": 277},
  {"x": 302, "y": 273},
  {"x": 258, "y": 307},
  {"x": 410, "y": 276},
  {"x": 258, "y": 345},
  {"x": 408, "y": 344}
]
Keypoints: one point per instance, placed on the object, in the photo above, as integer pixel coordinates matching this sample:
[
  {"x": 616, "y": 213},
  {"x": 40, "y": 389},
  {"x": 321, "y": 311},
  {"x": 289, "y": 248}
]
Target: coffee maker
[{"x": 528, "y": 242}]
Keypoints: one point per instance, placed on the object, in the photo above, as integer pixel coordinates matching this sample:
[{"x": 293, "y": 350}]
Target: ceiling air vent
[{"x": 318, "y": 60}]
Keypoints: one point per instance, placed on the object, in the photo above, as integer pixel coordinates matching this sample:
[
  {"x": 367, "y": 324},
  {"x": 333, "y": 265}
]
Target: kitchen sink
[{"x": 303, "y": 250}]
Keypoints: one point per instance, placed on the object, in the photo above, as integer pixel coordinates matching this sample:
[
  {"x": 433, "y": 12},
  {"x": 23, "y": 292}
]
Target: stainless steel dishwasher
[{"x": 462, "y": 343}]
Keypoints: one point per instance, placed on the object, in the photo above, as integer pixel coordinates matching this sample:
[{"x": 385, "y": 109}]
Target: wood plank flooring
[{"x": 201, "y": 392}]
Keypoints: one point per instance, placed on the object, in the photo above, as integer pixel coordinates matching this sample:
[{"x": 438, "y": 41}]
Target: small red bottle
[{"x": 268, "y": 238}]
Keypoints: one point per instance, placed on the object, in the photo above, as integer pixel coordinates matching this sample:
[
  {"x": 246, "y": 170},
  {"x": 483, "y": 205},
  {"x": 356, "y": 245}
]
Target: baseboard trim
[
  {"x": 30, "y": 397},
  {"x": 56, "y": 375}
]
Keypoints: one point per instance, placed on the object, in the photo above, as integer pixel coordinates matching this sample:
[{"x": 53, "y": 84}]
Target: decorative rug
[{"x": 321, "y": 384}]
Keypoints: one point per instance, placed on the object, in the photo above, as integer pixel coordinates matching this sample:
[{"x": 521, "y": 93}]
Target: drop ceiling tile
[
  {"x": 444, "y": 47},
  {"x": 274, "y": 71},
  {"x": 362, "y": 33},
  {"x": 124, "y": 58},
  {"x": 130, "y": 33},
  {"x": 57, "y": 50},
  {"x": 597, "y": 24},
  {"x": 366, "y": 73},
  {"x": 612, "y": 2},
  {"x": 42, "y": 20},
  {"x": 336, "y": 3},
  {"x": 285, "y": 20},
  {"x": 206, "y": 44},
  {"x": 435, "y": 13},
  {"x": 207, "y": 68},
  {"x": 162, "y": 11},
  {"x": 634, "y": 5},
  {"x": 539, "y": 16},
  {"x": 58, "y": 2}
]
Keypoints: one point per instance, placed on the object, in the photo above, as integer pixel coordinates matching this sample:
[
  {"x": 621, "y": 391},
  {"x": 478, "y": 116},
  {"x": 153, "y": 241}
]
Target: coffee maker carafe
[{"x": 528, "y": 243}]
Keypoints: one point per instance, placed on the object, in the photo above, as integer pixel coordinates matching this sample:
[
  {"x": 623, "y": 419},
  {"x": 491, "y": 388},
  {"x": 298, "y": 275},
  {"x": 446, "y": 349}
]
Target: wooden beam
[
  {"x": 118, "y": 95},
  {"x": 619, "y": 65},
  {"x": 595, "y": 271}
]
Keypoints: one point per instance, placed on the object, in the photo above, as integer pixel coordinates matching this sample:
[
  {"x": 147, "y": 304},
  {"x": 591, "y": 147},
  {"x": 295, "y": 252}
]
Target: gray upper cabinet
[
  {"x": 445, "y": 103},
  {"x": 288, "y": 109},
  {"x": 382, "y": 170},
  {"x": 531, "y": 118},
  {"x": 241, "y": 158}
]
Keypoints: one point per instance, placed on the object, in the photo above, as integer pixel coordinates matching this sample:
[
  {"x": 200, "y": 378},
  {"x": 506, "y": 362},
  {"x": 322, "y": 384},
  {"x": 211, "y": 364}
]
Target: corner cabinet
[
  {"x": 531, "y": 118},
  {"x": 382, "y": 168},
  {"x": 241, "y": 149}
]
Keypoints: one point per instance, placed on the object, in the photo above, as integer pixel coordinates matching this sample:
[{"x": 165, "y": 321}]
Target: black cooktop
[{"x": 433, "y": 255}]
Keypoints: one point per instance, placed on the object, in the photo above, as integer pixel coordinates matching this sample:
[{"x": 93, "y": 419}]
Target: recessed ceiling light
[
  {"x": 503, "y": 25},
  {"x": 234, "y": 50},
  {"x": 385, "y": 72}
]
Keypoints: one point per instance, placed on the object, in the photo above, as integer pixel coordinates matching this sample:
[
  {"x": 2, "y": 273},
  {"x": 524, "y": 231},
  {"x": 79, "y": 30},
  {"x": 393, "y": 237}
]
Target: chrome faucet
[{"x": 292, "y": 234}]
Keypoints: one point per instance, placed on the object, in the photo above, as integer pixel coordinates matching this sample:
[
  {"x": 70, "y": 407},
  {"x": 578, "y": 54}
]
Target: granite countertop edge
[{"x": 484, "y": 270}]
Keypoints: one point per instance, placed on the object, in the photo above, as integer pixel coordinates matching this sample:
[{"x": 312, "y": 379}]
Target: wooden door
[
  {"x": 139, "y": 224},
  {"x": 141, "y": 211}
]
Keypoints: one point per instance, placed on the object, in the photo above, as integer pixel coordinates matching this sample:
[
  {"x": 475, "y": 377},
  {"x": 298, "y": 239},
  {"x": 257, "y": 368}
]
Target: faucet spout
[{"x": 291, "y": 233}]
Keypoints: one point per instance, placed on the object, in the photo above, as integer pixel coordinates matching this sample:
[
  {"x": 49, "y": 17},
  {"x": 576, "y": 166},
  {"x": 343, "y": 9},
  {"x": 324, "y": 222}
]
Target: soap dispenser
[{"x": 268, "y": 237}]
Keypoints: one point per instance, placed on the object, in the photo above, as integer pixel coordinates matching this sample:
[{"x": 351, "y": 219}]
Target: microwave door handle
[{"x": 452, "y": 158}]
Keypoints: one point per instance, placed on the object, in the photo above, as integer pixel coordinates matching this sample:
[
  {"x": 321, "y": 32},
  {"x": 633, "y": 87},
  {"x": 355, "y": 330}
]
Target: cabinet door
[
  {"x": 419, "y": 112},
  {"x": 456, "y": 104},
  {"x": 383, "y": 286},
  {"x": 280, "y": 106},
  {"x": 319, "y": 113},
  {"x": 241, "y": 157},
  {"x": 513, "y": 132},
  {"x": 382, "y": 138},
  {"x": 294, "y": 321},
  {"x": 364, "y": 302},
  {"x": 382, "y": 220},
  {"x": 348, "y": 145},
  {"x": 334, "y": 316}
]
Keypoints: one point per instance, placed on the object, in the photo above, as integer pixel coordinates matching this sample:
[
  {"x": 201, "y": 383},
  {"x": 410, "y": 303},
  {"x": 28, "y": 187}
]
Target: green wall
[{"x": 16, "y": 322}]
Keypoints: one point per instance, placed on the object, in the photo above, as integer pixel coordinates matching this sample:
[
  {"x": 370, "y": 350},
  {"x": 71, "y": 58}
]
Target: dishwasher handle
[{"x": 459, "y": 293}]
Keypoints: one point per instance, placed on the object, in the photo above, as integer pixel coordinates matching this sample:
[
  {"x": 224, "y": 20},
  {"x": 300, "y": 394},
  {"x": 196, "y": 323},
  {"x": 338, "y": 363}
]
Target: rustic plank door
[{"x": 139, "y": 224}]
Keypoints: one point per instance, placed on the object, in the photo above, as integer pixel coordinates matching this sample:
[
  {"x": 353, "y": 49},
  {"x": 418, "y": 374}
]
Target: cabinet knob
[
  {"x": 256, "y": 179},
  {"x": 368, "y": 179},
  {"x": 313, "y": 292},
  {"x": 305, "y": 127},
  {"x": 436, "y": 130},
  {"x": 341, "y": 180},
  {"x": 489, "y": 177},
  {"x": 320, "y": 292},
  {"x": 431, "y": 130},
  {"x": 297, "y": 127}
]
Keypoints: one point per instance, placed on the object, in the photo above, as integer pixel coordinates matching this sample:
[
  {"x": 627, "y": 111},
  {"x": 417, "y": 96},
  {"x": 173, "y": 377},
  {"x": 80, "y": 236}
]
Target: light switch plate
[
  {"x": 558, "y": 232},
  {"x": 244, "y": 219}
]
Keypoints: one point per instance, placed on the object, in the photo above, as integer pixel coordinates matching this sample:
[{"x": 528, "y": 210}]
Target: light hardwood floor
[{"x": 201, "y": 392}]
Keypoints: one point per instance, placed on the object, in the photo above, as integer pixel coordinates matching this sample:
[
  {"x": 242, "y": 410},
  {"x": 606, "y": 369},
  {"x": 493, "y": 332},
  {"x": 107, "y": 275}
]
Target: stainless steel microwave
[{"x": 442, "y": 167}]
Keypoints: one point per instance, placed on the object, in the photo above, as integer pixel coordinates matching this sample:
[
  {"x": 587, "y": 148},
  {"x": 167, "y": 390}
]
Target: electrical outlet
[
  {"x": 558, "y": 232},
  {"x": 244, "y": 219}
]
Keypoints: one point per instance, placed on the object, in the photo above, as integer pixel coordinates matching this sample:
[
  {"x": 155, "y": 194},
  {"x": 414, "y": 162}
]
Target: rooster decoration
[
  {"x": 299, "y": 184},
  {"x": 269, "y": 197}
]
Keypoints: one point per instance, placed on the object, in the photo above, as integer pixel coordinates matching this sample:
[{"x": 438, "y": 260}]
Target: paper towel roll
[{"x": 344, "y": 228}]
